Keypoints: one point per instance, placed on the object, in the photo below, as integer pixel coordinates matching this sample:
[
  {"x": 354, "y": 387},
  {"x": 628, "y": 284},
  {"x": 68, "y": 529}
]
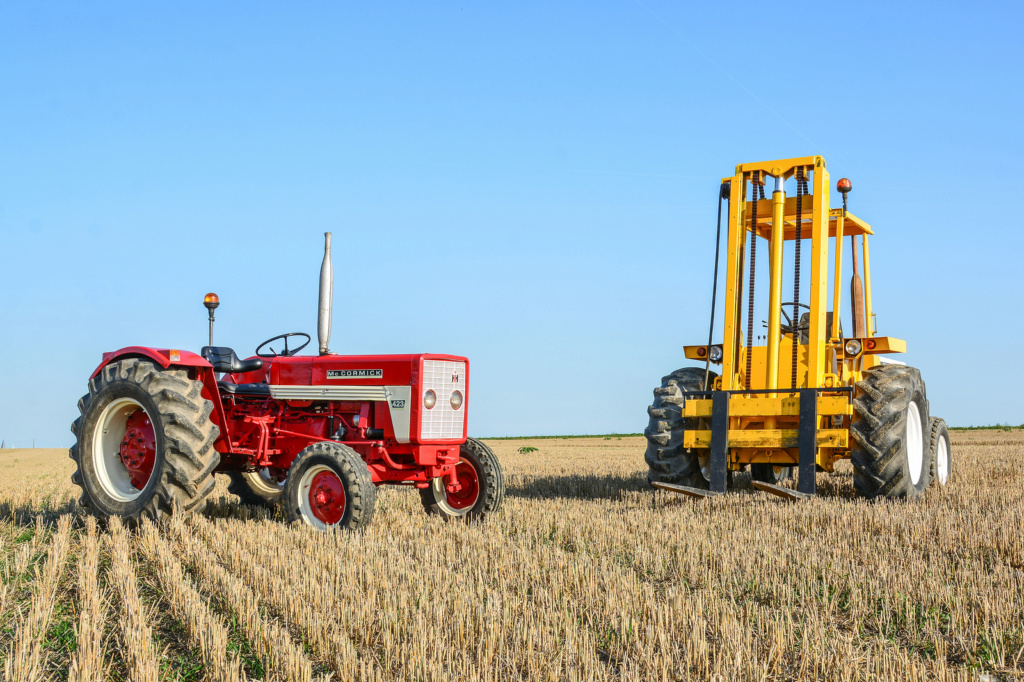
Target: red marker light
[
  {"x": 702, "y": 351},
  {"x": 870, "y": 344}
]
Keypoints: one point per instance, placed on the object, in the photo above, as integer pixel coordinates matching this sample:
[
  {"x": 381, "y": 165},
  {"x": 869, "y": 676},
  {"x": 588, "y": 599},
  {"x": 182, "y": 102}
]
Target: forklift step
[
  {"x": 787, "y": 493},
  {"x": 685, "y": 490}
]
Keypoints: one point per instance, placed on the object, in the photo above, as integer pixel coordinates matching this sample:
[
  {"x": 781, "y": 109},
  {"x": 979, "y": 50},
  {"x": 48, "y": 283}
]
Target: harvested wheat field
[{"x": 585, "y": 574}]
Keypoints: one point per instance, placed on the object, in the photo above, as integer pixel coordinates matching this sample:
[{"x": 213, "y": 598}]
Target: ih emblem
[{"x": 455, "y": 376}]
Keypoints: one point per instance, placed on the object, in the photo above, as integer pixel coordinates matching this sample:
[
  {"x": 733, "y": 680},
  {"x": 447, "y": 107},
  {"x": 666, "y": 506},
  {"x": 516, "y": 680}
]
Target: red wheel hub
[
  {"x": 327, "y": 497},
  {"x": 466, "y": 496},
  {"x": 138, "y": 448}
]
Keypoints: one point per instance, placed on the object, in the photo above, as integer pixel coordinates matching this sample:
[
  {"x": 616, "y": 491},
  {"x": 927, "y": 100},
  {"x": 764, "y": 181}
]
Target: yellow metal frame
[{"x": 763, "y": 426}]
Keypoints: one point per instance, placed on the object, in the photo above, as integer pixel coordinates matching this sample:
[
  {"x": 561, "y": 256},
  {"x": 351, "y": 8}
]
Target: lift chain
[
  {"x": 755, "y": 186},
  {"x": 801, "y": 189}
]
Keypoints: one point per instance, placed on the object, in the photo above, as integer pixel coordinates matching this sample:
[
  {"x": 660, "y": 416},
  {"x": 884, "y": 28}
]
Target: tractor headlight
[
  {"x": 852, "y": 347},
  {"x": 429, "y": 400},
  {"x": 456, "y": 400},
  {"x": 715, "y": 354}
]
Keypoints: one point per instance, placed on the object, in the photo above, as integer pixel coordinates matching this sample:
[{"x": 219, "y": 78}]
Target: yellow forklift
[{"x": 803, "y": 396}]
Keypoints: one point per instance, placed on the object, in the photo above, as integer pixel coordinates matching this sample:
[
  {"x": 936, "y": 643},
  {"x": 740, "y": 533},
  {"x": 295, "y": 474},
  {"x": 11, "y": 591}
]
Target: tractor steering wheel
[
  {"x": 287, "y": 353},
  {"x": 790, "y": 327}
]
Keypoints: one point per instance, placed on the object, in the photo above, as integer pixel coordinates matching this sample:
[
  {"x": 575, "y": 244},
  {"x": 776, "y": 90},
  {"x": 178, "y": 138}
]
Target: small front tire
[
  {"x": 329, "y": 487},
  {"x": 259, "y": 488},
  {"x": 770, "y": 473},
  {"x": 483, "y": 486}
]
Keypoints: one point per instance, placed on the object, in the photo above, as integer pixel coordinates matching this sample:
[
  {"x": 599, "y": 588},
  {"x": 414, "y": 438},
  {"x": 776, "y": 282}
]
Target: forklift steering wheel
[
  {"x": 287, "y": 353},
  {"x": 789, "y": 327}
]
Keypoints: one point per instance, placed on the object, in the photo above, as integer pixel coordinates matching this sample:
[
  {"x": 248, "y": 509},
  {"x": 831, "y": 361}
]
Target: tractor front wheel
[
  {"x": 256, "y": 487},
  {"x": 891, "y": 433},
  {"x": 481, "y": 486},
  {"x": 329, "y": 486},
  {"x": 144, "y": 442}
]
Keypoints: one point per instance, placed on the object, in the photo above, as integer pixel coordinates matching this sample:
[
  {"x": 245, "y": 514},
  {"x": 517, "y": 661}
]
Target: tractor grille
[{"x": 442, "y": 422}]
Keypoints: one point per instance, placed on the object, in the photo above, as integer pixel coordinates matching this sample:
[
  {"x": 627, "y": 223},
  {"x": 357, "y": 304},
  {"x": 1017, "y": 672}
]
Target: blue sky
[{"x": 532, "y": 185}]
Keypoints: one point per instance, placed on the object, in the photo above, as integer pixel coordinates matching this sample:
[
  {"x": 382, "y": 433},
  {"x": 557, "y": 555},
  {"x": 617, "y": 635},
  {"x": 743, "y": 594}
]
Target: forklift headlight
[
  {"x": 715, "y": 354},
  {"x": 429, "y": 400},
  {"x": 456, "y": 400},
  {"x": 852, "y": 347}
]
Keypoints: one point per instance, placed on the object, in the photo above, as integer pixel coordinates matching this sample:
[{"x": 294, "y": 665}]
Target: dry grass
[{"x": 586, "y": 574}]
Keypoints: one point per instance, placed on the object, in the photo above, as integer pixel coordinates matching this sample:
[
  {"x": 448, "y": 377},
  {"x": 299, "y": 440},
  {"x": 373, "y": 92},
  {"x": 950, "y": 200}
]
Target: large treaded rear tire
[
  {"x": 182, "y": 473},
  {"x": 667, "y": 460},
  {"x": 490, "y": 479},
  {"x": 885, "y": 457}
]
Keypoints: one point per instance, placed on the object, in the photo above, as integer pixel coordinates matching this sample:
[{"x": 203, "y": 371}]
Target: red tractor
[{"x": 316, "y": 433}]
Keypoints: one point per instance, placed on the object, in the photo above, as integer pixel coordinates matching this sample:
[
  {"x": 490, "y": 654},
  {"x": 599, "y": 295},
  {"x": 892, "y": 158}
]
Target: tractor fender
[{"x": 166, "y": 357}]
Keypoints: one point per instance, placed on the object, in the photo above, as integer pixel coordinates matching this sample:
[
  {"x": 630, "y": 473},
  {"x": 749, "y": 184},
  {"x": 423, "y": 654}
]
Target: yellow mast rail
[
  {"x": 854, "y": 226},
  {"x": 768, "y": 407},
  {"x": 779, "y": 438}
]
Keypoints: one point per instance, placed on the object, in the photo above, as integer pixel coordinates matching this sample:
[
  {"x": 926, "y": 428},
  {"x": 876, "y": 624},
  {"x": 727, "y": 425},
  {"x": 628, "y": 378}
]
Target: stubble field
[{"x": 585, "y": 574}]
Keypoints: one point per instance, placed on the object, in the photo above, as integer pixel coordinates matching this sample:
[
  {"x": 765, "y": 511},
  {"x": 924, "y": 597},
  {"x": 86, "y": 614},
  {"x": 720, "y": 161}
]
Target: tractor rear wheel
[
  {"x": 144, "y": 442},
  {"x": 667, "y": 460},
  {"x": 891, "y": 433},
  {"x": 770, "y": 473},
  {"x": 256, "y": 487},
  {"x": 483, "y": 486},
  {"x": 942, "y": 462},
  {"x": 329, "y": 486}
]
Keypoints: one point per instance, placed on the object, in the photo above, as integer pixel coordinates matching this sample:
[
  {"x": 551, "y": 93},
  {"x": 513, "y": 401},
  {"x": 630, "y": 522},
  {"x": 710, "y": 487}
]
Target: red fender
[{"x": 166, "y": 357}]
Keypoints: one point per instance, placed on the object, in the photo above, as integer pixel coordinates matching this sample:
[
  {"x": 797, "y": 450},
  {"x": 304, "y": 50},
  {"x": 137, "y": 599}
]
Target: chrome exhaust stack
[{"x": 323, "y": 324}]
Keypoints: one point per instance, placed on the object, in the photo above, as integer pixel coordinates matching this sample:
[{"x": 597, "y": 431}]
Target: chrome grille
[{"x": 443, "y": 377}]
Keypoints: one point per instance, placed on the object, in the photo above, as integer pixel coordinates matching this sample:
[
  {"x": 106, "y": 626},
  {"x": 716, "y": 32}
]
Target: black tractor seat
[
  {"x": 259, "y": 390},
  {"x": 224, "y": 360}
]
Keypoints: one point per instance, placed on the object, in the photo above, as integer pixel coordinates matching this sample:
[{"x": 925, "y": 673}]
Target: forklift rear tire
[
  {"x": 891, "y": 433},
  {"x": 483, "y": 486},
  {"x": 329, "y": 487},
  {"x": 667, "y": 460},
  {"x": 942, "y": 462},
  {"x": 143, "y": 443},
  {"x": 770, "y": 473},
  {"x": 256, "y": 487}
]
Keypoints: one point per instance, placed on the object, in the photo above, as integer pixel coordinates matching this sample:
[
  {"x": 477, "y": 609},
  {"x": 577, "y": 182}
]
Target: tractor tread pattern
[
  {"x": 249, "y": 493},
  {"x": 667, "y": 460},
  {"x": 878, "y": 430},
  {"x": 189, "y": 456}
]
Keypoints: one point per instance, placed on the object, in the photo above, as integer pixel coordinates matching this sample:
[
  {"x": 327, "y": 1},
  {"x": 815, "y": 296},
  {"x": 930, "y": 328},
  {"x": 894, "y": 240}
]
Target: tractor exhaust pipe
[{"x": 323, "y": 324}]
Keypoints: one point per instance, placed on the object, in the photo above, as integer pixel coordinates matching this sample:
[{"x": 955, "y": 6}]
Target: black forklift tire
[
  {"x": 667, "y": 460},
  {"x": 184, "y": 460},
  {"x": 941, "y": 453},
  {"x": 770, "y": 473},
  {"x": 338, "y": 474},
  {"x": 891, "y": 434},
  {"x": 483, "y": 491}
]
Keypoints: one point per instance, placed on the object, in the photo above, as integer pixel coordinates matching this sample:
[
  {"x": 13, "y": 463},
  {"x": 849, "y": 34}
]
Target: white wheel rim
[
  {"x": 439, "y": 486},
  {"x": 914, "y": 442},
  {"x": 305, "y": 508},
  {"x": 942, "y": 460},
  {"x": 704, "y": 461},
  {"x": 111, "y": 472},
  {"x": 263, "y": 480}
]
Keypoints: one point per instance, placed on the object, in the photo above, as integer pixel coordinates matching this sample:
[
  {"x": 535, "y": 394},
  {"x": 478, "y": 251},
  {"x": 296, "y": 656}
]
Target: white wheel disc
[
  {"x": 461, "y": 503},
  {"x": 111, "y": 472},
  {"x": 264, "y": 481},
  {"x": 704, "y": 461},
  {"x": 942, "y": 461},
  {"x": 309, "y": 515},
  {"x": 914, "y": 443}
]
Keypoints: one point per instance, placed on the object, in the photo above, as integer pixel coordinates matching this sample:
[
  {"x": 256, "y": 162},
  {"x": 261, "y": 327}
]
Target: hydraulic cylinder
[{"x": 775, "y": 290}]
